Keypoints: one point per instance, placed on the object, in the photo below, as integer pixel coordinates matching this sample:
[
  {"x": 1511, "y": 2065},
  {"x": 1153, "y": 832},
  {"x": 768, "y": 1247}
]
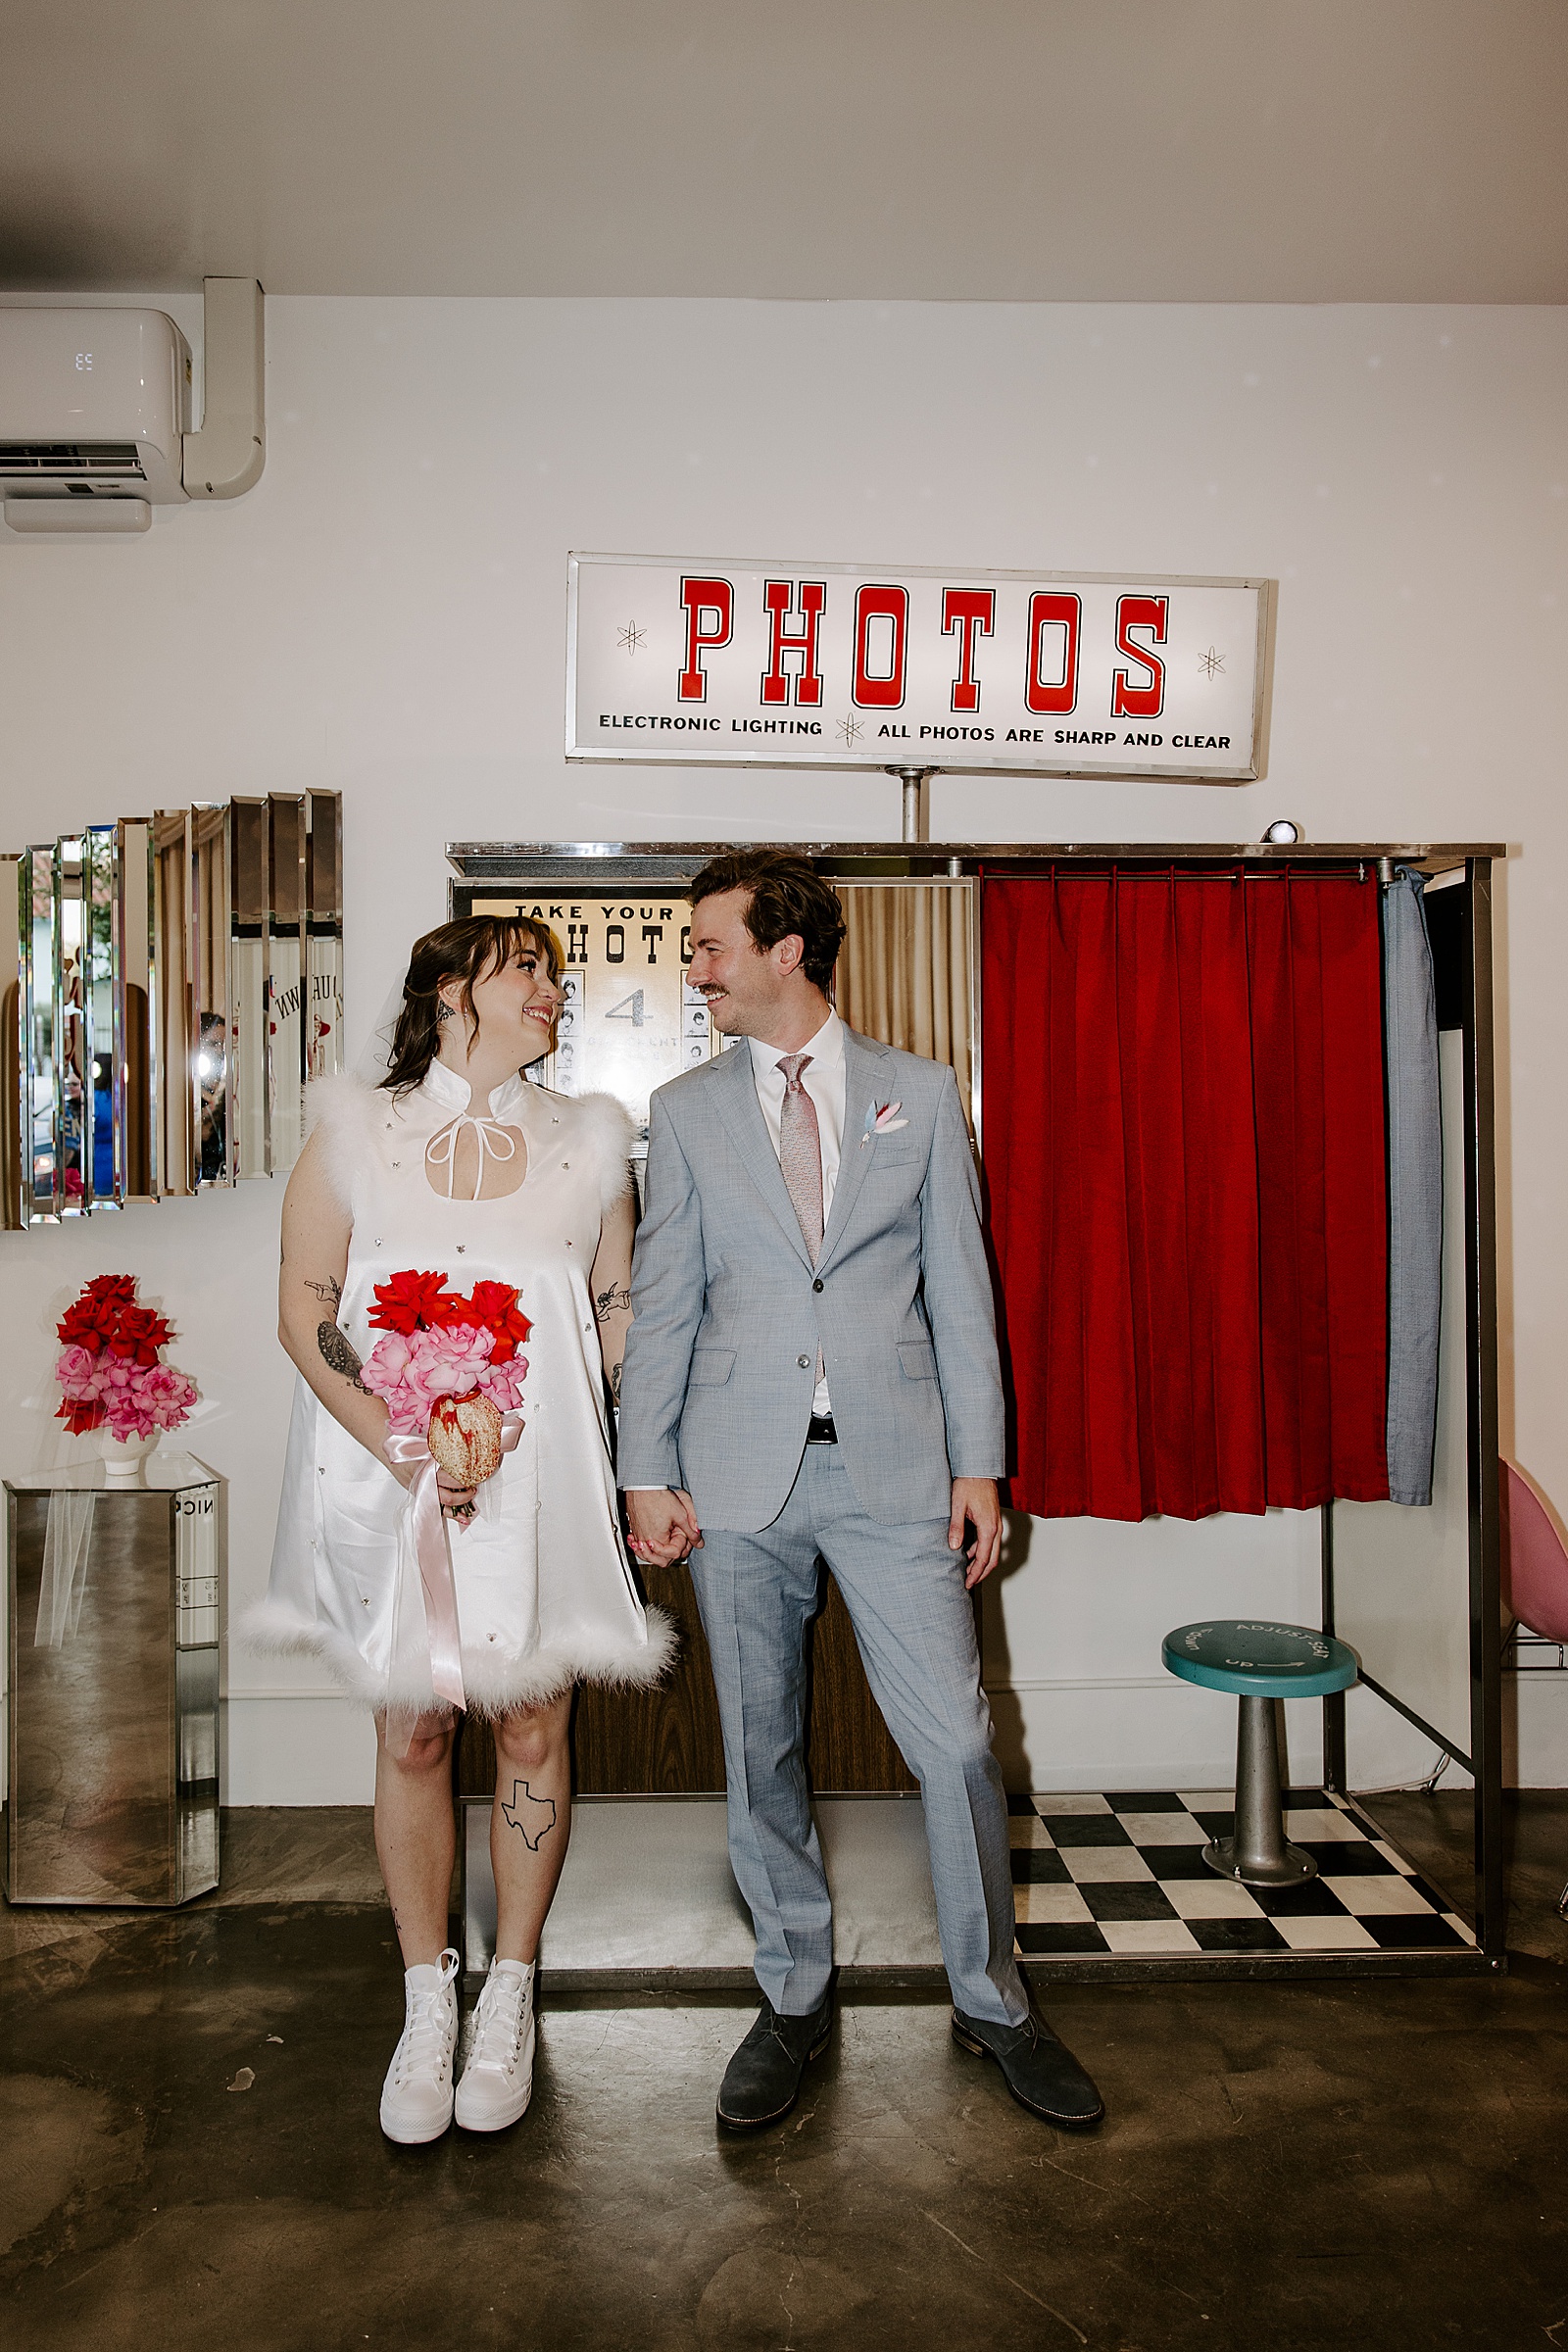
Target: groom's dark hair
[{"x": 787, "y": 898}]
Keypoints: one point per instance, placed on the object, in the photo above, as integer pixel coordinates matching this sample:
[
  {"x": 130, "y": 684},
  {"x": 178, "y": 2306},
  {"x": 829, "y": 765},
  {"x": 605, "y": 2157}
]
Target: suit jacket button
[
  {"x": 817, "y": 1284},
  {"x": 805, "y": 1362}
]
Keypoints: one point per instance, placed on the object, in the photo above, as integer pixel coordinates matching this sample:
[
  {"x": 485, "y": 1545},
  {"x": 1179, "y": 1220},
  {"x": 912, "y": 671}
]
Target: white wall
[{"x": 384, "y": 614}]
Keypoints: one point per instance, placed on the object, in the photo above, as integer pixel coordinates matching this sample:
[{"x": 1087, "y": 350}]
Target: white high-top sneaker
[
  {"x": 416, "y": 2096},
  {"x": 498, "y": 2079}
]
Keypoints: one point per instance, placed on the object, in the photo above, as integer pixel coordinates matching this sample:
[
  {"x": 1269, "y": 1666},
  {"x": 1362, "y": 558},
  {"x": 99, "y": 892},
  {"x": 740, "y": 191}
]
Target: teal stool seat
[{"x": 1259, "y": 1662}]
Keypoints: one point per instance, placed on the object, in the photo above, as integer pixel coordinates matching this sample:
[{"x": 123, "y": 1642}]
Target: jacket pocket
[
  {"x": 918, "y": 1358},
  {"x": 710, "y": 1367},
  {"x": 895, "y": 1151}
]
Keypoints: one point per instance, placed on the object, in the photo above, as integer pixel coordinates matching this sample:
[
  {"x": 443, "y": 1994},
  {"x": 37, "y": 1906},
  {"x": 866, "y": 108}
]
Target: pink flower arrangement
[
  {"x": 415, "y": 1370},
  {"x": 108, "y": 1370},
  {"x": 437, "y": 1344}
]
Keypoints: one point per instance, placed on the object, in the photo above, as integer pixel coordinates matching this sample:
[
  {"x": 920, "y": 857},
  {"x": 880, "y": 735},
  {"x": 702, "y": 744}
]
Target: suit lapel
[
  {"x": 747, "y": 1129},
  {"x": 862, "y": 1060}
]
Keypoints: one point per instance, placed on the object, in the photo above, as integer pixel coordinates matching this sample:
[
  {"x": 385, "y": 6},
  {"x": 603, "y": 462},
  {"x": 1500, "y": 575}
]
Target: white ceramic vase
[{"x": 126, "y": 1459}]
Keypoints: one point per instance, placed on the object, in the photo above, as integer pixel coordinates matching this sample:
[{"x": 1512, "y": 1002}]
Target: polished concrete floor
[{"x": 189, "y": 2154}]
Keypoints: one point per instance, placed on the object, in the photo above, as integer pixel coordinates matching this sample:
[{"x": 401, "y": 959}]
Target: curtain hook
[{"x": 1361, "y": 871}]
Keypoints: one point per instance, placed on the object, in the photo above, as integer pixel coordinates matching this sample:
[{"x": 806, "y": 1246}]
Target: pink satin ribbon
[{"x": 432, "y": 1549}]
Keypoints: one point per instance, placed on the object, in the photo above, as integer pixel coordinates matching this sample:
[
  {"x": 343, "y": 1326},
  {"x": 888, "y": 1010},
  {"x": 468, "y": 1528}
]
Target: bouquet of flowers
[
  {"x": 448, "y": 1368},
  {"x": 108, "y": 1369}
]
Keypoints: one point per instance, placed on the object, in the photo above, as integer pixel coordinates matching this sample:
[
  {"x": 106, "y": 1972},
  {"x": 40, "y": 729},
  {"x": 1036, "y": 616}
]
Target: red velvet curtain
[{"x": 1183, "y": 1150}]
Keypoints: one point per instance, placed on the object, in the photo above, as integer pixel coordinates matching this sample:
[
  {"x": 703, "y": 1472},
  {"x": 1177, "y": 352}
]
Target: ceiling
[{"x": 1014, "y": 150}]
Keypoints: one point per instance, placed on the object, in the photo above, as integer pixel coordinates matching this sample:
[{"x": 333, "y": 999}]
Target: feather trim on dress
[
  {"x": 494, "y": 1685},
  {"x": 608, "y": 1133},
  {"x": 340, "y": 1119}
]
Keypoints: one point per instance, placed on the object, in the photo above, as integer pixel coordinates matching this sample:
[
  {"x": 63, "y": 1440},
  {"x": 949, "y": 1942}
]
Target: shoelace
[
  {"x": 427, "y": 2035},
  {"x": 498, "y": 2021}
]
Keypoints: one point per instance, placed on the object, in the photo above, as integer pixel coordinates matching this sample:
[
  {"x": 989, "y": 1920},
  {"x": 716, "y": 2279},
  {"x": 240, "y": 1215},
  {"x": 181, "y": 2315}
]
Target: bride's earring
[{"x": 444, "y": 1012}]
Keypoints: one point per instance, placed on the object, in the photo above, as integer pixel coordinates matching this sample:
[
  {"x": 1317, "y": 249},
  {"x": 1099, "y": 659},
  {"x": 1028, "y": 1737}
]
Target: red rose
[
  {"x": 121, "y": 1286},
  {"x": 85, "y": 1325},
  {"x": 79, "y": 1418},
  {"x": 495, "y": 1306},
  {"x": 139, "y": 1334},
  {"x": 408, "y": 1300}
]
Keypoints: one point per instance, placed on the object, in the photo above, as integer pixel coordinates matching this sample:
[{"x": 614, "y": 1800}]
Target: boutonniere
[{"x": 881, "y": 1119}]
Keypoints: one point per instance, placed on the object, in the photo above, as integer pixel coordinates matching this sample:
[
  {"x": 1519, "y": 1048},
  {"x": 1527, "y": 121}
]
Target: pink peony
[{"x": 414, "y": 1370}]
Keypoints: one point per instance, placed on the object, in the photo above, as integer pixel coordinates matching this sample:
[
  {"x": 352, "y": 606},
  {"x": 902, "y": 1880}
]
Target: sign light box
[{"x": 748, "y": 663}]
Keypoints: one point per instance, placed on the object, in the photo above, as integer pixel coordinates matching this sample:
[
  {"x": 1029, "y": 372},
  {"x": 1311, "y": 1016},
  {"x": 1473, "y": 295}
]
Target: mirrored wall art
[
  {"x": 12, "y": 1047},
  {"x": 39, "y": 1195},
  {"x": 166, "y": 986}
]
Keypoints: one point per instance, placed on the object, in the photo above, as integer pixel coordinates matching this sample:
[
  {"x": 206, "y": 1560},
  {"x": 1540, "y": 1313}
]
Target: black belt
[{"x": 819, "y": 1429}]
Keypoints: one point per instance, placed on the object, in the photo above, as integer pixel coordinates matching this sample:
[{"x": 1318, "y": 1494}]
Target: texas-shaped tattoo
[{"x": 532, "y": 1817}]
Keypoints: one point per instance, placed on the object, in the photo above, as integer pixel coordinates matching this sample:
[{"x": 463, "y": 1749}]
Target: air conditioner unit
[{"x": 93, "y": 408}]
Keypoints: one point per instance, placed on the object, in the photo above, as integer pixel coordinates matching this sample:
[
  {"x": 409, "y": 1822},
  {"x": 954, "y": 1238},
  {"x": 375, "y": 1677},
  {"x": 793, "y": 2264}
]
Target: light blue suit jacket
[{"x": 730, "y": 1312}]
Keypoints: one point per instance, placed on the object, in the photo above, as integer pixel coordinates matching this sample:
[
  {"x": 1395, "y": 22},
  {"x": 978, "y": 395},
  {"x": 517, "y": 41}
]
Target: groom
[{"x": 813, "y": 1370}]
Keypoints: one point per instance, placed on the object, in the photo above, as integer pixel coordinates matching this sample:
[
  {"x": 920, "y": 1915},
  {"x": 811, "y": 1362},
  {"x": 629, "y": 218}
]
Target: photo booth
[{"x": 1243, "y": 1264}]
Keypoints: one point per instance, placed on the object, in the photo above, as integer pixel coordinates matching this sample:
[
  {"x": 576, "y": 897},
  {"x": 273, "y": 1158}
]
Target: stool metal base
[
  {"x": 1257, "y": 1854},
  {"x": 1291, "y": 1870}
]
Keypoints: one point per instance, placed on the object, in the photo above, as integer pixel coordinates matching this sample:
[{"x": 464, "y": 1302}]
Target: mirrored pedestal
[{"x": 113, "y": 1594}]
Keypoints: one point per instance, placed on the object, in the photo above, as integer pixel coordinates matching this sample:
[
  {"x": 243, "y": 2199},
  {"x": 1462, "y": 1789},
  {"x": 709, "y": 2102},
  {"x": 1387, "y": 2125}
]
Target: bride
[{"x": 454, "y": 1165}]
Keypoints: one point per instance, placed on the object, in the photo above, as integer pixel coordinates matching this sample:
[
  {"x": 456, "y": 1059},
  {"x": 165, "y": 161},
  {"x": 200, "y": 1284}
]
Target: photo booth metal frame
[{"x": 483, "y": 869}]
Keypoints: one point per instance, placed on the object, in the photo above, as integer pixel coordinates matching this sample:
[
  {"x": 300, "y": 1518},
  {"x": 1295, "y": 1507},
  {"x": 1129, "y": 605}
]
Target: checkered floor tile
[{"x": 1125, "y": 1874}]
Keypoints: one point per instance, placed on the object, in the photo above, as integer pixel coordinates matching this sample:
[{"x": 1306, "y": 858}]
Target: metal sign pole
[{"x": 917, "y": 801}]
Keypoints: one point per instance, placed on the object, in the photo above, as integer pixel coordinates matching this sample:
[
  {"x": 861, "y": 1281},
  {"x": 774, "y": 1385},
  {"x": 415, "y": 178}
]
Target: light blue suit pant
[{"x": 914, "y": 1624}]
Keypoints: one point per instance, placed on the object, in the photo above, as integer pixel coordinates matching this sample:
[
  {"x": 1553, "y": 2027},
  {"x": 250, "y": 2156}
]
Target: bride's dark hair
[{"x": 467, "y": 951}]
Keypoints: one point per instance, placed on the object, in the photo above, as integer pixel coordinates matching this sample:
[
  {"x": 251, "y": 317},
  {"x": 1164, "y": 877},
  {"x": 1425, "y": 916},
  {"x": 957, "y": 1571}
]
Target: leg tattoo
[{"x": 533, "y": 1817}]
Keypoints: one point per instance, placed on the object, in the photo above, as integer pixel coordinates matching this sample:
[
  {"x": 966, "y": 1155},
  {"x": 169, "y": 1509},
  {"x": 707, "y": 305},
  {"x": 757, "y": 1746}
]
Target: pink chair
[{"x": 1534, "y": 1567}]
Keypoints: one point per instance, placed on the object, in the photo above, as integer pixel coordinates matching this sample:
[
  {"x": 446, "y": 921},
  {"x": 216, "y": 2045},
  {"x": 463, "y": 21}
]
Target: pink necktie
[{"x": 800, "y": 1153}]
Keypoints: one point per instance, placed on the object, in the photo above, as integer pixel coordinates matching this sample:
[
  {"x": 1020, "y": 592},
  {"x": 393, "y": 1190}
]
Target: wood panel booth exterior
[{"x": 621, "y": 910}]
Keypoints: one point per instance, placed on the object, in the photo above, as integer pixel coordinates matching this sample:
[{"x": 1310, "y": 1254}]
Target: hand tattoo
[
  {"x": 329, "y": 1292},
  {"x": 338, "y": 1354},
  {"x": 532, "y": 1817},
  {"x": 612, "y": 1302}
]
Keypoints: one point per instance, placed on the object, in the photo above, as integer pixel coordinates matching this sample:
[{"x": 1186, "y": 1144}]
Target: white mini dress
[{"x": 545, "y": 1594}]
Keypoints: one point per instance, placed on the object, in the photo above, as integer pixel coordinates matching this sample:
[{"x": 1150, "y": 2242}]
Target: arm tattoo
[
  {"x": 613, "y": 1302},
  {"x": 329, "y": 1292},
  {"x": 534, "y": 1817},
  {"x": 337, "y": 1353},
  {"x": 615, "y": 1382}
]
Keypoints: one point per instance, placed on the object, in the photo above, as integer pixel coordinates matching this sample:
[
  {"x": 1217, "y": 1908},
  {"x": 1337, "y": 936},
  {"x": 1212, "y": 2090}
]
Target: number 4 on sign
[{"x": 630, "y": 1008}]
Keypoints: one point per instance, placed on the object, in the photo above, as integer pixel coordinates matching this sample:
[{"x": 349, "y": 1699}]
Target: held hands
[
  {"x": 663, "y": 1525},
  {"x": 975, "y": 1501}
]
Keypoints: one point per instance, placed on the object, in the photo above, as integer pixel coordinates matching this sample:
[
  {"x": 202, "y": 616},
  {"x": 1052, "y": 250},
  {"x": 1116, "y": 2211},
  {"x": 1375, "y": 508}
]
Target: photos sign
[{"x": 748, "y": 663}]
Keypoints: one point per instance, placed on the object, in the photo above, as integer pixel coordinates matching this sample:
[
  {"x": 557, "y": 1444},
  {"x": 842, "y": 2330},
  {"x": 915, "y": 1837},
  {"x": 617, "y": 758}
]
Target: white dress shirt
[{"x": 823, "y": 1080}]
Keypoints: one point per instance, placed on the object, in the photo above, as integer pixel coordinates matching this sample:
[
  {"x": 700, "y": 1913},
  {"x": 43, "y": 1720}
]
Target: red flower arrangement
[
  {"x": 109, "y": 1367},
  {"x": 448, "y": 1366}
]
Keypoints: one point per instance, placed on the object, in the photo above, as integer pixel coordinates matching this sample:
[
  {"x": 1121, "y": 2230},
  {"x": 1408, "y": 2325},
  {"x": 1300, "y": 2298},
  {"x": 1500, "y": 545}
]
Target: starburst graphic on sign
[
  {"x": 1213, "y": 664},
  {"x": 630, "y": 637},
  {"x": 850, "y": 730}
]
